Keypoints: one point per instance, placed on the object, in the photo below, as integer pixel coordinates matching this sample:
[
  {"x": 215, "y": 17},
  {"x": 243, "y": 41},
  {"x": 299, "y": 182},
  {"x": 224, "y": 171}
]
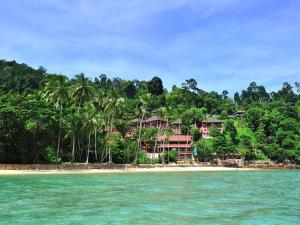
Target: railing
[{"x": 185, "y": 152}]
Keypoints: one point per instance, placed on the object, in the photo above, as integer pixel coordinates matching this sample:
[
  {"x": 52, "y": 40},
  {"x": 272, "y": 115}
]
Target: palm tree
[
  {"x": 99, "y": 124},
  {"x": 74, "y": 121},
  {"x": 81, "y": 92},
  {"x": 161, "y": 113},
  {"x": 56, "y": 91},
  {"x": 90, "y": 126},
  {"x": 144, "y": 101},
  {"x": 111, "y": 108},
  {"x": 169, "y": 133},
  {"x": 82, "y": 89},
  {"x": 100, "y": 104},
  {"x": 166, "y": 117}
]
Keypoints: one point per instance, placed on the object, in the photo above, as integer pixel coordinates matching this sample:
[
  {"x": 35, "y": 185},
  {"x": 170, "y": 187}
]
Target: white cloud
[{"x": 125, "y": 38}]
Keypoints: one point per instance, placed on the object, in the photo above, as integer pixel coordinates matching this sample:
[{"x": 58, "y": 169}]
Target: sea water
[{"x": 229, "y": 197}]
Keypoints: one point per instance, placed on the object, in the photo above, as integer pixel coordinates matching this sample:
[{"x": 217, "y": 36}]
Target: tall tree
[
  {"x": 190, "y": 84},
  {"x": 237, "y": 98},
  {"x": 112, "y": 105},
  {"x": 167, "y": 133},
  {"x": 92, "y": 122},
  {"x": 144, "y": 101},
  {"x": 56, "y": 91},
  {"x": 225, "y": 94},
  {"x": 82, "y": 89},
  {"x": 155, "y": 86},
  {"x": 297, "y": 85},
  {"x": 161, "y": 113}
]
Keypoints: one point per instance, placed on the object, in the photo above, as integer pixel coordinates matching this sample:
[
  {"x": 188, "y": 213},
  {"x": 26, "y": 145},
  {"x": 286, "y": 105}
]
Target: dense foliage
[{"x": 47, "y": 118}]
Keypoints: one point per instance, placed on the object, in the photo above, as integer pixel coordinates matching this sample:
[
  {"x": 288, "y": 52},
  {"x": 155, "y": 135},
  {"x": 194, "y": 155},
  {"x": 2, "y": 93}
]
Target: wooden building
[
  {"x": 177, "y": 141},
  {"x": 205, "y": 125},
  {"x": 239, "y": 113}
]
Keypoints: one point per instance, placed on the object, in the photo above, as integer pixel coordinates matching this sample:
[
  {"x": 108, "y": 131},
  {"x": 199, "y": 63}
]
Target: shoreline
[
  {"x": 126, "y": 170},
  {"x": 81, "y": 168}
]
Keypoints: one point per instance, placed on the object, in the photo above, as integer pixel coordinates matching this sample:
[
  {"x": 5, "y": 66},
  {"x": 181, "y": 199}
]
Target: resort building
[
  {"x": 239, "y": 113},
  {"x": 182, "y": 143},
  {"x": 206, "y": 125},
  {"x": 176, "y": 141},
  {"x": 150, "y": 122},
  {"x": 155, "y": 122}
]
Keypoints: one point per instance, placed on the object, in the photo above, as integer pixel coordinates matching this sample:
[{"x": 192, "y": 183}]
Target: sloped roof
[
  {"x": 153, "y": 118},
  {"x": 178, "y": 121},
  {"x": 135, "y": 120},
  {"x": 177, "y": 137},
  {"x": 212, "y": 120},
  {"x": 240, "y": 111}
]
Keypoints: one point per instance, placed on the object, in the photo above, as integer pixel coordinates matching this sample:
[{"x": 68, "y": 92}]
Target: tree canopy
[{"x": 49, "y": 118}]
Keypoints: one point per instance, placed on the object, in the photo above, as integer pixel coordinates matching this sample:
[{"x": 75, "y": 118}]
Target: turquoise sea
[{"x": 235, "y": 197}]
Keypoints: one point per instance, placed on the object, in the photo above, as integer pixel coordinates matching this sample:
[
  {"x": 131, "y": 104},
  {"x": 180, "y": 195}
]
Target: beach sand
[{"x": 129, "y": 170}]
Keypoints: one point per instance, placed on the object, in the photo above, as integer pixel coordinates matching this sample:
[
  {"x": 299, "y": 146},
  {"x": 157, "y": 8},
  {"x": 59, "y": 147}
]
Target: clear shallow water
[{"x": 243, "y": 197}]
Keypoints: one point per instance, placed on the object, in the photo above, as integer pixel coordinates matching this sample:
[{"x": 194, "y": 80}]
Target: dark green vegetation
[{"x": 47, "y": 118}]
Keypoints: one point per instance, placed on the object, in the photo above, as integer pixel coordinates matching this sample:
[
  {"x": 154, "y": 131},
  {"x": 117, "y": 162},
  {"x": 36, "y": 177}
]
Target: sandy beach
[{"x": 128, "y": 170}]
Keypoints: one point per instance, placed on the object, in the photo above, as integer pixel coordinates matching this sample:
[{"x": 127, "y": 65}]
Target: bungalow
[
  {"x": 177, "y": 141},
  {"x": 152, "y": 121},
  {"x": 205, "y": 125},
  {"x": 239, "y": 113},
  {"x": 176, "y": 126},
  {"x": 155, "y": 122}
]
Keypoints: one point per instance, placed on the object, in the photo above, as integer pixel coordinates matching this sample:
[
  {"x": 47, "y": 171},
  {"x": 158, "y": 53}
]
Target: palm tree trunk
[
  {"x": 59, "y": 130},
  {"x": 109, "y": 149},
  {"x": 168, "y": 153},
  {"x": 139, "y": 139},
  {"x": 96, "y": 156},
  {"x": 164, "y": 141},
  {"x": 103, "y": 154},
  {"x": 73, "y": 147},
  {"x": 204, "y": 151},
  {"x": 187, "y": 141},
  {"x": 88, "y": 150},
  {"x": 58, "y": 145},
  {"x": 155, "y": 144},
  {"x": 78, "y": 110},
  {"x": 109, "y": 155},
  {"x": 80, "y": 150}
]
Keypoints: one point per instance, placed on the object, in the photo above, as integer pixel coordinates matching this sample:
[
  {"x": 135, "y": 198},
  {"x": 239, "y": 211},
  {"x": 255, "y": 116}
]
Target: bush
[
  {"x": 172, "y": 156},
  {"x": 50, "y": 155}
]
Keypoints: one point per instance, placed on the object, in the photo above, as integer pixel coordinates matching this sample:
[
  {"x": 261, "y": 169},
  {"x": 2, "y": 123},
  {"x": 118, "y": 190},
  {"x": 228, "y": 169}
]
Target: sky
[{"x": 222, "y": 44}]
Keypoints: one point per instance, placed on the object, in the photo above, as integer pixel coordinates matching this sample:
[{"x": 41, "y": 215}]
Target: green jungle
[{"x": 50, "y": 118}]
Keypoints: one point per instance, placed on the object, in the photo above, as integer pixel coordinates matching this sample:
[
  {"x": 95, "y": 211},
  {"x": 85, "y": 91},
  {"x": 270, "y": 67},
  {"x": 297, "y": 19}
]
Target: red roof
[
  {"x": 153, "y": 118},
  {"x": 177, "y": 137}
]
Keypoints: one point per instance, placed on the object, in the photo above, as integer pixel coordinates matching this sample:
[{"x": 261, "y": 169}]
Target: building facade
[
  {"x": 205, "y": 126},
  {"x": 164, "y": 142},
  {"x": 175, "y": 141}
]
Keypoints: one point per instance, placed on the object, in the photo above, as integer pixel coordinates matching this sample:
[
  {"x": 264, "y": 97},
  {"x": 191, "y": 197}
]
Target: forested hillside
[{"x": 48, "y": 118}]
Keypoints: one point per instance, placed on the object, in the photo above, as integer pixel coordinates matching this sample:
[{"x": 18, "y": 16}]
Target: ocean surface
[{"x": 235, "y": 197}]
